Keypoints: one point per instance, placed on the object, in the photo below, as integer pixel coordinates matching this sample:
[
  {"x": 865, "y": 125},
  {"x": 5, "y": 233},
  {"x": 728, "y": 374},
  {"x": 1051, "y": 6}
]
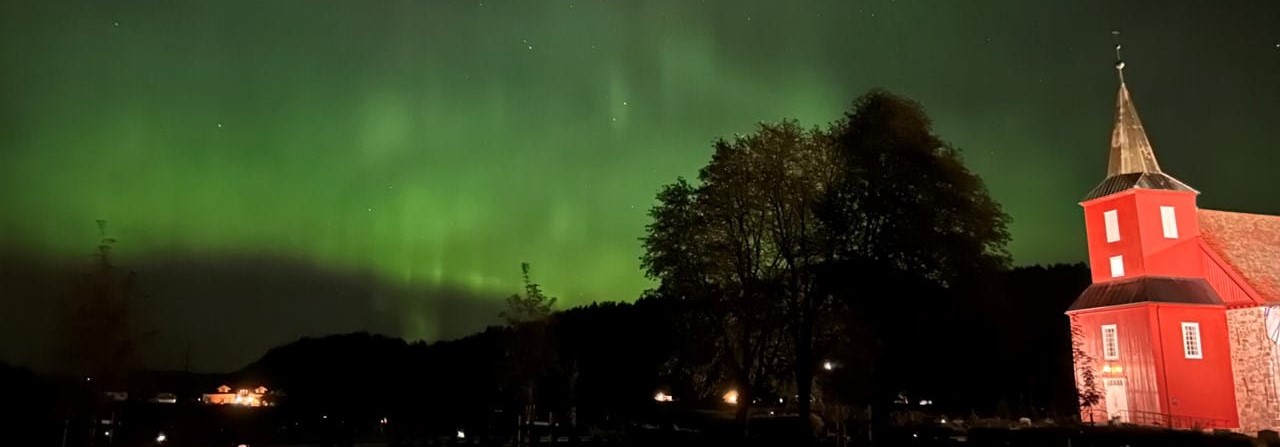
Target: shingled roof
[
  {"x": 1250, "y": 243},
  {"x": 1146, "y": 289}
]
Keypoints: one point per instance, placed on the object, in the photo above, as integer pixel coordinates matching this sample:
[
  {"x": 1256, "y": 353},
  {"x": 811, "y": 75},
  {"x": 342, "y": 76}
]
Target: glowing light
[
  {"x": 1106, "y": 369},
  {"x": 731, "y": 397},
  {"x": 462, "y": 435},
  {"x": 663, "y": 397},
  {"x": 828, "y": 366},
  {"x": 161, "y": 438}
]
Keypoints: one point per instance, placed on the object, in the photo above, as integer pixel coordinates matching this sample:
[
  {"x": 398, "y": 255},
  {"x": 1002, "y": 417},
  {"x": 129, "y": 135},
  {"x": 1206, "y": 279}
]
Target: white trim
[
  {"x": 1110, "y": 342},
  {"x": 1169, "y": 222},
  {"x": 1192, "y": 347},
  {"x": 1111, "y": 220},
  {"x": 1117, "y": 266}
]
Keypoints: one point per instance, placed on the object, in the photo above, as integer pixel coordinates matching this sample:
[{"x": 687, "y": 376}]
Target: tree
[
  {"x": 1087, "y": 391},
  {"x": 791, "y": 231},
  {"x": 917, "y": 238},
  {"x": 98, "y": 327},
  {"x": 710, "y": 244},
  {"x": 533, "y": 306},
  {"x": 528, "y": 352}
]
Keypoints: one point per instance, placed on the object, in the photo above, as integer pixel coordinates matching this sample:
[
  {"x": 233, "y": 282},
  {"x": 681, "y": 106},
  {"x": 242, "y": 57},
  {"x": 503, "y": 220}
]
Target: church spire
[
  {"x": 1132, "y": 163},
  {"x": 1130, "y": 149}
]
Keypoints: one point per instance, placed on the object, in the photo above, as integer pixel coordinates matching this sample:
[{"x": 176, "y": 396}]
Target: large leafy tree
[
  {"x": 797, "y": 238},
  {"x": 918, "y": 239}
]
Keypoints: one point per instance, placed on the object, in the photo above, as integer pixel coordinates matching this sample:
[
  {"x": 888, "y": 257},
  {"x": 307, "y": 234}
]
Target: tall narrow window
[
  {"x": 1117, "y": 266},
  {"x": 1112, "y": 220},
  {"x": 1110, "y": 346},
  {"x": 1191, "y": 340},
  {"x": 1169, "y": 220}
]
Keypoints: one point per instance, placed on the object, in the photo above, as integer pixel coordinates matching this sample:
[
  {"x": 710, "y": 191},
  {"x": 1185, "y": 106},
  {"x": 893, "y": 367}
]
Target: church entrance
[{"x": 1117, "y": 400}]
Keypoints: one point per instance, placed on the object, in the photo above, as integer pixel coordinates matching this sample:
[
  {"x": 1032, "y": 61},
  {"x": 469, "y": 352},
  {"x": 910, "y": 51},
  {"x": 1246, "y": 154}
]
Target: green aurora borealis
[{"x": 437, "y": 144}]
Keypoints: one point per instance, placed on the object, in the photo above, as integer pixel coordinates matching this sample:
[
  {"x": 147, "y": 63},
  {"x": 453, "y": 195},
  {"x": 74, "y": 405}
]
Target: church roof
[
  {"x": 1146, "y": 288},
  {"x": 1250, "y": 243},
  {"x": 1132, "y": 163}
]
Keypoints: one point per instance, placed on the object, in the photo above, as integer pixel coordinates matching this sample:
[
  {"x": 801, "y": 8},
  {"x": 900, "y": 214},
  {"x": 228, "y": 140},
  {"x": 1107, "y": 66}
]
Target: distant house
[
  {"x": 256, "y": 397},
  {"x": 1183, "y": 318}
]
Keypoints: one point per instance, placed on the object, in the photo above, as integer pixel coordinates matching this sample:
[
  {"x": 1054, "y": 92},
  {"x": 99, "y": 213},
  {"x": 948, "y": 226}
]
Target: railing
[{"x": 1155, "y": 419}]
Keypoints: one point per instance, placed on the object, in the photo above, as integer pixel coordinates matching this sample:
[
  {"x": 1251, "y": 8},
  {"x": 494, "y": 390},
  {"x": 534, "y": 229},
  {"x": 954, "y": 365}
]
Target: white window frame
[
  {"x": 1117, "y": 266},
  {"x": 1111, "y": 220},
  {"x": 1169, "y": 222},
  {"x": 1192, "y": 344},
  {"x": 1110, "y": 342}
]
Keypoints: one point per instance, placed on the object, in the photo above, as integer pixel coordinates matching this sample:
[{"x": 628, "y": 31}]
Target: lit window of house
[
  {"x": 1110, "y": 346},
  {"x": 1117, "y": 266},
  {"x": 1191, "y": 341},
  {"x": 1112, "y": 220},
  {"x": 1169, "y": 221}
]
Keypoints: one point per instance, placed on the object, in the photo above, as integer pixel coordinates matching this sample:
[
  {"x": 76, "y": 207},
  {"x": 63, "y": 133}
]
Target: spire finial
[{"x": 1119, "y": 59}]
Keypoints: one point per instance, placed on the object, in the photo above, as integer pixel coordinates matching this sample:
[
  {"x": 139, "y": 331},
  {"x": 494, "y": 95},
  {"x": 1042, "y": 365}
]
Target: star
[
  {"x": 625, "y": 103},
  {"x": 115, "y": 24},
  {"x": 219, "y": 125}
]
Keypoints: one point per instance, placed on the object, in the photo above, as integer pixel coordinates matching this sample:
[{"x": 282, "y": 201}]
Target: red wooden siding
[
  {"x": 1137, "y": 362},
  {"x": 1129, "y": 245},
  {"x": 1228, "y": 286},
  {"x": 1200, "y": 388},
  {"x": 1169, "y": 257}
]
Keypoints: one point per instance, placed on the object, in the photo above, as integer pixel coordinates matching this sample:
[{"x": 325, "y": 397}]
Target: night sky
[{"x": 286, "y": 168}]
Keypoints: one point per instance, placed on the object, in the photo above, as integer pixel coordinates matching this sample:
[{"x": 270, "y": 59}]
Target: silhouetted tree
[
  {"x": 743, "y": 241},
  {"x": 872, "y": 210},
  {"x": 917, "y": 238},
  {"x": 533, "y": 306},
  {"x": 99, "y": 334},
  {"x": 529, "y": 352}
]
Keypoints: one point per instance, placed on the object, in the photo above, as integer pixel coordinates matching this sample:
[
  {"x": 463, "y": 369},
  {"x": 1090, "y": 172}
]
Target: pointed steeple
[
  {"x": 1130, "y": 149},
  {"x": 1133, "y": 162}
]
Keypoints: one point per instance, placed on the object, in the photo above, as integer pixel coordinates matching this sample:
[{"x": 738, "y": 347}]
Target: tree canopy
[{"x": 790, "y": 231}]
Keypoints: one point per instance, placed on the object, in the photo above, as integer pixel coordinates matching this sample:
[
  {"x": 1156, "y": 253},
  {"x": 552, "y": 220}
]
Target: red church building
[{"x": 1182, "y": 320}]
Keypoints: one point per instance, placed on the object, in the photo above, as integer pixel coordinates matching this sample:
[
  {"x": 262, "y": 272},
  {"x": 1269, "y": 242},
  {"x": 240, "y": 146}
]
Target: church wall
[
  {"x": 1137, "y": 360},
  {"x": 1254, "y": 366},
  {"x": 1198, "y": 390}
]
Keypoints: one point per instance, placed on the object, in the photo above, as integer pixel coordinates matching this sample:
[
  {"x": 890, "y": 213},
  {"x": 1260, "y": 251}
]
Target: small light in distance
[
  {"x": 462, "y": 434},
  {"x": 161, "y": 438},
  {"x": 828, "y": 366},
  {"x": 731, "y": 397}
]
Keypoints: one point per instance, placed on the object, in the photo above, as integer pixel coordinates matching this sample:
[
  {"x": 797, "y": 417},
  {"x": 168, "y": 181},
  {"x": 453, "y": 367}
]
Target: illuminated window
[
  {"x": 1110, "y": 346},
  {"x": 1117, "y": 266},
  {"x": 1191, "y": 341},
  {"x": 1170, "y": 222},
  {"x": 1112, "y": 220}
]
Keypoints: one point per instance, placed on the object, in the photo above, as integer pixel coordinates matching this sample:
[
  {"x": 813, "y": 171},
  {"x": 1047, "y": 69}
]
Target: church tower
[{"x": 1153, "y": 327}]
